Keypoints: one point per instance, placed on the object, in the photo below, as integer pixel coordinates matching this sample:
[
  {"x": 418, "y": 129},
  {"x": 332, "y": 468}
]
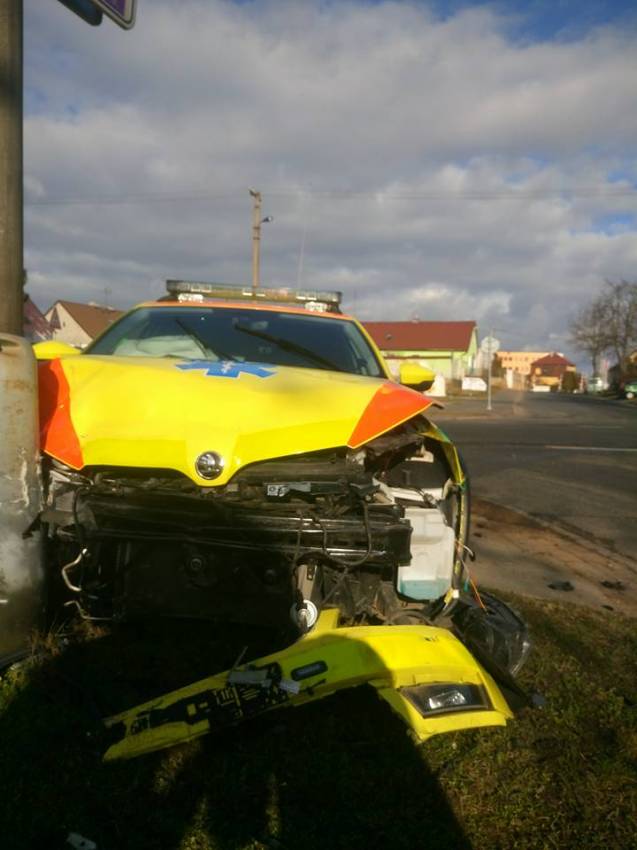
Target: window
[{"x": 258, "y": 336}]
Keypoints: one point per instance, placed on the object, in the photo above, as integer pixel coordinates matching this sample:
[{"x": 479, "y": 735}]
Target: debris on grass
[
  {"x": 613, "y": 585},
  {"x": 78, "y": 842},
  {"x": 561, "y": 585},
  {"x": 341, "y": 773}
]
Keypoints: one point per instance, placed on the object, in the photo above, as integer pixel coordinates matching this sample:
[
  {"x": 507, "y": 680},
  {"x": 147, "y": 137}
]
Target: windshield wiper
[{"x": 286, "y": 345}]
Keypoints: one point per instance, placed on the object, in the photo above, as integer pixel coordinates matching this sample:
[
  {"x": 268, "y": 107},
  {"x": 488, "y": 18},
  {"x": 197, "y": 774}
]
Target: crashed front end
[
  {"x": 372, "y": 525},
  {"x": 370, "y": 530}
]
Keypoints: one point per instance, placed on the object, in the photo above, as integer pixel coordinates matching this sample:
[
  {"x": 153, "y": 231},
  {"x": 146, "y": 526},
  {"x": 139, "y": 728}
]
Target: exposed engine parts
[{"x": 379, "y": 532}]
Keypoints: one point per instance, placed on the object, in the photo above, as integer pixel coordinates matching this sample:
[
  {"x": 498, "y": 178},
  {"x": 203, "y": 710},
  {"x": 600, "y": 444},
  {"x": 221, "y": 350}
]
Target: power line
[
  {"x": 127, "y": 199},
  {"x": 336, "y": 194}
]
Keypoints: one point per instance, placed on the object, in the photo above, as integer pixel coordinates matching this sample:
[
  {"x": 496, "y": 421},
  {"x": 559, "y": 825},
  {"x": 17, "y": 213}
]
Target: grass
[{"x": 338, "y": 774}]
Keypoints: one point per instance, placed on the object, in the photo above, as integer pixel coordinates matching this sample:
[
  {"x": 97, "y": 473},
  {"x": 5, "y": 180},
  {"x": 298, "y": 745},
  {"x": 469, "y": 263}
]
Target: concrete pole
[
  {"x": 256, "y": 238},
  {"x": 11, "y": 224},
  {"x": 490, "y": 356}
]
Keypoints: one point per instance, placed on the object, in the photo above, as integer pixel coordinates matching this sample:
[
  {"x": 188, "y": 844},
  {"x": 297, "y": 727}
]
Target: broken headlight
[
  {"x": 445, "y": 697},
  {"x": 495, "y": 634}
]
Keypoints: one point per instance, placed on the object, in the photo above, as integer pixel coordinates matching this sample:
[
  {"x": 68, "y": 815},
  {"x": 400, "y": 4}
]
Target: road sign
[
  {"x": 86, "y": 10},
  {"x": 490, "y": 345},
  {"x": 120, "y": 11}
]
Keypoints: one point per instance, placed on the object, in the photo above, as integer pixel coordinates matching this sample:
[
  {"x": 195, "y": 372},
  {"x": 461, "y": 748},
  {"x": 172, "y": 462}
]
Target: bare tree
[
  {"x": 588, "y": 333},
  {"x": 619, "y": 309},
  {"x": 608, "y": 324}
]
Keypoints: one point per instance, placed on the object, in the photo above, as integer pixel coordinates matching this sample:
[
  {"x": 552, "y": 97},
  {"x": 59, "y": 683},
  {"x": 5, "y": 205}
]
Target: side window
[{"x": 363, "y": 357}]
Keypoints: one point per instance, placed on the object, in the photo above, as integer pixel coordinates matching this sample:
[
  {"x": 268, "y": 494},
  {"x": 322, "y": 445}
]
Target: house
[
  {"x": 447, "y": 348},
  {"x": 78, "y": 324},
  {"x": 549, "y": 370},
  {"x": 34, "y": 326},
  {"x": 520, "y": 361}
]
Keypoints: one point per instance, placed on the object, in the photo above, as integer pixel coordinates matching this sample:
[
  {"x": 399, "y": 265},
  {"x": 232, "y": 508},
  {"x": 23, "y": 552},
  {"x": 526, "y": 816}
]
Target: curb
[{"x": 513, "y": 516}]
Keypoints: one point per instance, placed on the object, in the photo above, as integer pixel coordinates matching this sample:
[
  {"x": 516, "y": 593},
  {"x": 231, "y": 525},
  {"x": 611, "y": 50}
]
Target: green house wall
[{"x": 449, "y": 364}]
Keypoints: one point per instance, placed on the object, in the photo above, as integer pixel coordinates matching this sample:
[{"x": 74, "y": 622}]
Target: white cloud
[{"x": 358, "y": 123}]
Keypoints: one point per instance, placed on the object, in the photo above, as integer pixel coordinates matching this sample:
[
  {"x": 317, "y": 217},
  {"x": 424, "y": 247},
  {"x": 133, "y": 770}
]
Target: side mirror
[
  {"x": 416, "y": 376},
  {"x": 52, "y": 349}
]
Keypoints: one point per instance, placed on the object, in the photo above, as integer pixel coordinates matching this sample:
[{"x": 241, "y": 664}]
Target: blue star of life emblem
[{"x": 227, "y": 368}]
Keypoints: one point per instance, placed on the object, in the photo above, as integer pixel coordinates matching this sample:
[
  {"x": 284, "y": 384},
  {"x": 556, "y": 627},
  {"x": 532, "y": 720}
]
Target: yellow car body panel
[
  {"x": 389, "y": 659},
  {"x": 164, "y": 413},
  {"x": 146, "y": 413}
]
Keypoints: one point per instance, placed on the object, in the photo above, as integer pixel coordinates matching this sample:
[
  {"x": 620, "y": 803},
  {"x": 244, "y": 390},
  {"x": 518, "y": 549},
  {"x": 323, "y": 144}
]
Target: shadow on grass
[{"x": 341, "y": 773}]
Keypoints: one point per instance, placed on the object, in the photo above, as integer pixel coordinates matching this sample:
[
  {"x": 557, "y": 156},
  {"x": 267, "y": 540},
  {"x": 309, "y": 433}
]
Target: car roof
[{"x": 248, "y": 305}]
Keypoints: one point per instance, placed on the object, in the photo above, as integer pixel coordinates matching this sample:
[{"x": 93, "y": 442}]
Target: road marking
[{"x": 589, "y": 448}]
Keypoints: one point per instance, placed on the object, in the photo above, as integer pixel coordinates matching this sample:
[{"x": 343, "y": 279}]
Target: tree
[
  {"x": 608, "y": 324},
  {"x": 588, "y": 333},
  {"x": 619, "y": 310},
  {"x": 497, "y": 369},
  {"x": 570, "y": 381}
]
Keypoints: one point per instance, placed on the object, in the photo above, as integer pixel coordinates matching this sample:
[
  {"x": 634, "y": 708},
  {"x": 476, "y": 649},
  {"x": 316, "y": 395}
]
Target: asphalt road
[{"x": 570, "y": 460}]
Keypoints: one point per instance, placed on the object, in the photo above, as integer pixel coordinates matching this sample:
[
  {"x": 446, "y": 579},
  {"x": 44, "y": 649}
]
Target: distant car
[
  {"x": 630, "y": 389},
  {"x": 596, "y": 385}
]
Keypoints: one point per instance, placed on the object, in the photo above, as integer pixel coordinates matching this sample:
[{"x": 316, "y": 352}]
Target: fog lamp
[{"x": 446, "y": 697}]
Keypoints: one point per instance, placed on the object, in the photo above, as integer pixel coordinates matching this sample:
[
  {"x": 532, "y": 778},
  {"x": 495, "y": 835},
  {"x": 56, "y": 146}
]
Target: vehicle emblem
[
  {"x": 209, "y": 465},
  {"x": 227, "y": 368}
]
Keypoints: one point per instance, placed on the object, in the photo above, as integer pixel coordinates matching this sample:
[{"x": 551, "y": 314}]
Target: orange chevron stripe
[
  {"x": 390, "y": 406},
  {"x": 57, "y": 434}
]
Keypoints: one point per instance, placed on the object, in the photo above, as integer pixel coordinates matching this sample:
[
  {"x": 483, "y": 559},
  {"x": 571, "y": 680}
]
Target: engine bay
[{"x": 379, "y": 532}]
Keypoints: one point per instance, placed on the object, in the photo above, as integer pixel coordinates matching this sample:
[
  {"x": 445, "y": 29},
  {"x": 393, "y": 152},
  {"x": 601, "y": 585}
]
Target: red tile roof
[
  {"x": 92, "y": 318},
  {"x": 35, "y": 327},
  {"x": 553, "y": 359},
  {"x": 421, "y": 336}
]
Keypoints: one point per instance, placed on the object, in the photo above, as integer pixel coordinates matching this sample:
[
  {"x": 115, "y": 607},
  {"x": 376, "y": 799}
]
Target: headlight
[
  {"x": 495, "y": 633},
  {"x": 443, "y": 698}
]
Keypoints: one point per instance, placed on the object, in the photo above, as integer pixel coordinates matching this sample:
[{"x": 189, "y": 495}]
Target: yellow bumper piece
[{"x": 328, "y": 659}]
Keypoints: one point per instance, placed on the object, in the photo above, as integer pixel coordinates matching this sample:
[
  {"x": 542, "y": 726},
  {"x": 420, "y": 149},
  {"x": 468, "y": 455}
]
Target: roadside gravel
[{"x": 517, "y": 553}]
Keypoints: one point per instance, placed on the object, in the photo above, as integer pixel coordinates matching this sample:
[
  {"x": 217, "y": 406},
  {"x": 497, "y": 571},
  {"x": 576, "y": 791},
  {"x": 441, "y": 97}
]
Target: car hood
[{"x": 163, "y": 413}]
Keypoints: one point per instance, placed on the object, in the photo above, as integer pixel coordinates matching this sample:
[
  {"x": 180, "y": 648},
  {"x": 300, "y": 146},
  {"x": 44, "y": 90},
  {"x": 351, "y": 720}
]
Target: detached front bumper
[{"x": 429, "y": 678}]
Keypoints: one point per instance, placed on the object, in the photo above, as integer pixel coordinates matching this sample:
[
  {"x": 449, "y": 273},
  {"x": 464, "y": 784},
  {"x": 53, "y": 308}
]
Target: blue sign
[
  {"x": 227, "y": 368},
  {"x": 120, "y": 11},
  {"x": 85, "y": 10}
]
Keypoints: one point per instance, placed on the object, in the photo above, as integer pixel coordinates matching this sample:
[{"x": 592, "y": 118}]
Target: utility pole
[
  {"x": 11, "y": 223},
  {"x": 257, "y": 221},
  {"x": 256, "y": 238},
  {"x": 490, "y": 356},
  {"x": 490, "y": 346}
]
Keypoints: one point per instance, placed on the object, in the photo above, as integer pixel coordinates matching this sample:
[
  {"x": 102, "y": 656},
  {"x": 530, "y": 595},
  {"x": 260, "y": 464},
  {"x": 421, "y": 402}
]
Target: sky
[{"x": 433, "y": 160}]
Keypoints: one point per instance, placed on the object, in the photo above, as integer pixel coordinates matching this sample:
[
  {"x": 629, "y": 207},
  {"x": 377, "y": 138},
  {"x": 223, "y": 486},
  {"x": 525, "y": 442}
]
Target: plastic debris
[
  {"x": 74, "y": 839},
  {"x": 250, "y": 677},
  {"x": 561, "y": 585},
  {"x": 613, "y": 585}
]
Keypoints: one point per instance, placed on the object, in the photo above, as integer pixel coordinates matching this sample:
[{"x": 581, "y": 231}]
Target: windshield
[{"x": 257, "y": 336}]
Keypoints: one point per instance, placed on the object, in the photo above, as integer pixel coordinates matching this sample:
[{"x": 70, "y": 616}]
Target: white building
[{"x": 78, "y": 324}]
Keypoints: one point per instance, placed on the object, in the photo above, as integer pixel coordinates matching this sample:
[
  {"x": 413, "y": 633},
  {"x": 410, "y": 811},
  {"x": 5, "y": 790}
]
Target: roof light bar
[{"x": 311, "y": 299}]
